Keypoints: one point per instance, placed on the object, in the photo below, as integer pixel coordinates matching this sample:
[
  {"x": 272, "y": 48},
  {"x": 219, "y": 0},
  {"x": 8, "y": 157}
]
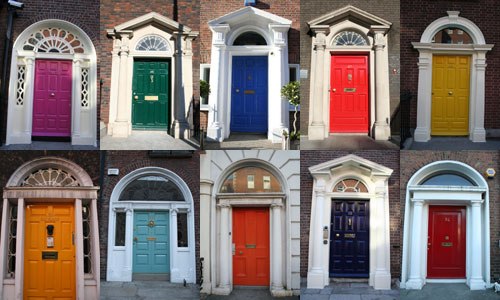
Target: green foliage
[
  {"x": 291, "y": 92},
  {"x": 204, "y": 89}
]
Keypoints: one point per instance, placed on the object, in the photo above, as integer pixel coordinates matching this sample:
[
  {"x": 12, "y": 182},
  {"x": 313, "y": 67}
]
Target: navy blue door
[
  {"x": 349, "y": 239},
  {"x": 249, "y": 94}
]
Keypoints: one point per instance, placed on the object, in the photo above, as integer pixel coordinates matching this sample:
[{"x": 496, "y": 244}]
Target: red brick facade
[
  {"x": 126, "y": 161},
  {"x": 412, "y": 161},
  {"x": 417, "y": 15},
  {"x": 389, "y": 159}
]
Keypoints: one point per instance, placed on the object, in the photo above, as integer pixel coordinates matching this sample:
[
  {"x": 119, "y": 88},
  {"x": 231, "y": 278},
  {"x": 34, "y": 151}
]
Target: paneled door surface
[
  {"x": 49, "y": 252},
  {"x": 349, "y": 239},
  {"x": 249, "y": 94},
  {"x": 446, "y": 242},
  {"x": 450, "y": 95},
  {"x": 52, "y": 98},
  {"x": 251, "y": 245},
  {"x": 151, "y": 250},
  {"x": 150, "y": 95},
  {"x": 349, "y": 94}
]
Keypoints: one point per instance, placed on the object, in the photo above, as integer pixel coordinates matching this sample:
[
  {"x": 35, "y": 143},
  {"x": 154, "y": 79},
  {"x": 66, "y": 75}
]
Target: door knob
[
  {"x": 52, "y": 95},
  {"x": 136, "y": 239},
  {"x": 136, "y": 97},
  {"x": 334, "y": 90},
  {"x": 428, "y": 244},
  {"x": 450, "y": 93},
  {"x": 240, "y": 253},
  {"x": 237, "y": 91}
]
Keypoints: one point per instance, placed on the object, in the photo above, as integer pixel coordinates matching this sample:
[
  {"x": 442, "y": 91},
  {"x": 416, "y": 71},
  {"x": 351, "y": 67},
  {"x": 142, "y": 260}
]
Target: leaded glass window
[
  {"x": 84, "y": 96},
  {"x": 350, "y": 186},
  {"x": 152, "y": 42},
  {"x": 11, "y": 243},
  {"x": 54, "y": 40},
  {"x": 87, "y": 241},
  {"x": 349, "y": 38},
  {"x": 20, "y": 85},
  {"x": 50, "y": 177},
  {"x": 452, "y": 35},
  {"x": 151, "y": 188},
  {"x": 182, "y": 230},
  {"x": 250, "y": 38},
  {"x": 121, "y": 219},
  {"x": 251, "y": 180},
  {"x": 448, "y": 179}
]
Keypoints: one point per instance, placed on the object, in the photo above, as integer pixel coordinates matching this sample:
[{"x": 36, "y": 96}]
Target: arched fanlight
[
  {"x": 251, "y": 180},
  {"x": 350, "y": 186},
  {"x": 349, "y": 38},
  {"x": 152, "y": 42},
  {"x": 250, "y": 38}
]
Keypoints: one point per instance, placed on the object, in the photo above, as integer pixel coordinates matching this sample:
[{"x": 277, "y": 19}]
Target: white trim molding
[
  {"x": 376, "y": 178},
  {"x": 179, "y": 52},
  {"x": 374, "y": 30},
  {"x": 182, "y": 259},
  {"x": 477, "y": 51},
  {"x": 83, "y": 86},
  {"x": 416, "y": 219},
  {"x": 225, "y": 30}
]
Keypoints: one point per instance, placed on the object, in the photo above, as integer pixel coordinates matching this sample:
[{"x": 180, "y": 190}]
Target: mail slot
[
  {"x": 250, "y": 246},
  {"x": 350, "y": 90},
  {"x": 151, "y": 98},
  {"x": 350, "y": 235},
  {"x": 49, "y": 255},
  {"x": 249, "y": 92},
  {"x": 151, "y": 239},
  {"x": 446, "y": 244}
]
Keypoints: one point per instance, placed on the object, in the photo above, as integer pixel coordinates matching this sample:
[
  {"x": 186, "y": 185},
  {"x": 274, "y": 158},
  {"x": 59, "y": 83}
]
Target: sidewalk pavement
[
  {"x": 39, "y": 145},
  {"x": 148, "y": 290},
  {"x": 248, "y": 293},
  {"x": 455, "y": 143},
  {"x": 147, "y": 140},
  {"x": 347, "y": 142},
  {"x": 243, "y": 141},
  {"x": 455, "y": 291},
  {"x": 348, "y": 291}
]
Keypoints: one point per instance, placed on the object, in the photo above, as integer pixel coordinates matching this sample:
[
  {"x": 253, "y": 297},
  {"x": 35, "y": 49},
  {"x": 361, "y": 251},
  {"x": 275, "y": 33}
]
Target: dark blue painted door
[
  {"x": 349, "y": 239},
  {"x": 249, "y": 94}
]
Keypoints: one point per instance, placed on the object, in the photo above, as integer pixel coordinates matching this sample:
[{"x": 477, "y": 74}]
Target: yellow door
[
  {"x": 49, "y": 252},
  {"x": 450, "y": 95}
]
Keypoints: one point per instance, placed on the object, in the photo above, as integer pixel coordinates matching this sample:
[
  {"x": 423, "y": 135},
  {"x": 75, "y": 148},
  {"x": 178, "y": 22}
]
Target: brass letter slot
[
  {"x": 349, "y": 235},
  {"x": 249, "y": 92},
  {"x": 350, "y": 90},
  {"x": 250, "y": 246},
  {"x": 49, "y": 255},
  {"x": 151, "y": 239},
  {"x": 151, "y": 98},
  {"x": 446, "y": 244}
]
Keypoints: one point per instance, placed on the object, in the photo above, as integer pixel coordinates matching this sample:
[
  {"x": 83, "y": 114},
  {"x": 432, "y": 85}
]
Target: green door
[{"x": 150, "y": 95}]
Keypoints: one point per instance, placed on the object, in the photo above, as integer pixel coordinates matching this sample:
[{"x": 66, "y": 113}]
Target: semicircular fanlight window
[
  {"x": 151, "y": 188},
  {"x": 54, "y": 40},
  {"x": 452, "y": 35},
  {"x": 152, "y": 42},
  {"x": 349, "y": 38},
  {"x": 448, "y": 179},
  {"x": 251, "y": 180},
  {"x": 49, "y": 177},
  {"x": 250, "y": 38},
  {"x": 350, "y": 186}
]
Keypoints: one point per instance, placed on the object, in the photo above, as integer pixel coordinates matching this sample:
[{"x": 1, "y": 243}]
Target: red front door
[
  {"x": 349, "y": 94},
  {"x": 446, "y": 242},
  {"x": 251, "y": 240},
  {"x": 52, "y": 98}
]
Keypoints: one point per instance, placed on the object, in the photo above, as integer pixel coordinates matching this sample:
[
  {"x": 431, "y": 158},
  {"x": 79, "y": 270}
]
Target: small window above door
[
  {"x": 250, "y": 38},
  {"x": 350, "y": 186},
  {"x": 452, "y": 35},
  {"x": 152, "y": 42},
  {"x": 251, "y": 180},
  {"x": 152, "y": 188},
  {"x": 349, "y": 38},
  {"x": 448, "y": 179}
]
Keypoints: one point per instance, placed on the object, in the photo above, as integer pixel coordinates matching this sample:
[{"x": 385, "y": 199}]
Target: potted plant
[{"x": 291, "y": 92}]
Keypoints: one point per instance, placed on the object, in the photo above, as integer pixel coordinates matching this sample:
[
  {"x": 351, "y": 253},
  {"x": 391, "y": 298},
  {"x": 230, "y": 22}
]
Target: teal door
[
  {"x": 151, "y": 253},
  {"x": 150, "y": 95}
]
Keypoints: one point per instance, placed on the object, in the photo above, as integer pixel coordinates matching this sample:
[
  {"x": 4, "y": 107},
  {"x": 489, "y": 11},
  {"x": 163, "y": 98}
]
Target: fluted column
[
  {"x": 315, "y": 276},
  {"x": 476, "y": 277},
  {"x": 121, "y": 128},
  {"x": 424, "y": 99},
  {"x": 179, "y": 125},
  {"x": 225, "y": 256},
  {"x": 115, "y": 73},
  {"x": 415, "y": 279},
  {"x": 478, "y": 133},
  {"x": 382, "y": 99}
]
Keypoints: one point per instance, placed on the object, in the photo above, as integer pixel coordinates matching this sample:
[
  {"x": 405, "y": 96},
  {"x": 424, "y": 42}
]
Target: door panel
[
  {"x": 151, "y": 251},
  {"x": 49, "y": 279},
  {"x": 52, "y": 98},
  {"x": 349, "y": 239},
  {"x": 446, "y": 244},
  {"x": 251, "y": 242},
  {"x": 450, "y": 95},
  {"x": 249, "y": 94},
  {"x": 349, "y": 94},
  {"x": 150, "y": 95}
]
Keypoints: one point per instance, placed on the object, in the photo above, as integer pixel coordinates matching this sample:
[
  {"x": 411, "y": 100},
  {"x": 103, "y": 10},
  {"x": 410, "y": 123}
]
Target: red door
[
  {"x": 52, "y": 98},
  {"x": 349, "y": 94},
  {"x": 446, "y": 242},
  {"x": 251, "y": 240}
]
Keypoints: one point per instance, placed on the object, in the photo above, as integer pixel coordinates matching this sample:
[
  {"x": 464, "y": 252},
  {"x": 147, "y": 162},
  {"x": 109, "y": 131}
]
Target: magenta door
[{"x": 52, "y": 98}]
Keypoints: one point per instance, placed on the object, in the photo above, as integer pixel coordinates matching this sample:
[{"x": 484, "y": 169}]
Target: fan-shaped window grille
[
  {"x": 448, "y": 179},
  {"x": 152, "y": 43},
  {"x": 350, "y": 186},
  {"x": 151, "y": 188},
  {"x": 50, "y": 177},
  {"x": 54, "y": 40},
  {"x": 452, "y": 35},
  {"x": 250, "y": 38},
  {"x": 349, "y": 38},
  {"x": 251, "y": 180}
]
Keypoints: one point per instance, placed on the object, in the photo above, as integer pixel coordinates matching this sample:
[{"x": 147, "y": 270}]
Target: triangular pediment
[
  {"x": 350, "y": 13},
  {"x": 249, "y": 14},
  {"x": 152, "y": 18},
  {"x": 353, "y": 162}
]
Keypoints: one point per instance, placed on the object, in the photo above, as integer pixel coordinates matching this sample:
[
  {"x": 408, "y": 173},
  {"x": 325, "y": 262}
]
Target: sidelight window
[
  {"x": 87, "y": 241},
  {"x": 121, "y": 219},
  {"x": 182, "y": 230},
  {"x": 11, "y": 244}
]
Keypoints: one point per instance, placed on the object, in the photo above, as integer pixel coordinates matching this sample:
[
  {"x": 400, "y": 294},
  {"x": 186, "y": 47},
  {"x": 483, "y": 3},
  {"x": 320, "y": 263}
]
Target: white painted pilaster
[
  {"x": 128, "y": 240},
  {"x": 80, "y": 279},
  {"x": 173, "y": 241},
  {"x": 382, "y": 274},
  {"x": 179, "y": 125},
  {"x": 382, "y": 98},
  {"x": 225, "y": 256},
  {"x": 415, "y": 280},
  {"x": 423, "y": 130},
  {"x": 277, "y": 280},
  {"x": 476, "y": 277},
  {"x": 121, "y": 127},
  {"x": 21, "y": 213},
  {"x": 114, "y": 88},
  {"x": 315, "y": 276}
]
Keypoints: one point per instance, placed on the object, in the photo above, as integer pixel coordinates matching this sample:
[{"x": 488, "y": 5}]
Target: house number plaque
[
  {"x": 250, "y": 246},
  {"x": 349, "y": 90},
  {"x": 350, "y": 235},
  {"x": 151, "y": 98},
  {"x": 446, "y": 244}
]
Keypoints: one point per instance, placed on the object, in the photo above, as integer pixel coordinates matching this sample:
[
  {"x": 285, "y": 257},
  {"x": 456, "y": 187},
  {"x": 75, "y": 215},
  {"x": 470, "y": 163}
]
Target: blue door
[
  {"x": 349, "y": 239},
  {"x": 151, "y": 252},
  {"x": 249, "y": 94}
]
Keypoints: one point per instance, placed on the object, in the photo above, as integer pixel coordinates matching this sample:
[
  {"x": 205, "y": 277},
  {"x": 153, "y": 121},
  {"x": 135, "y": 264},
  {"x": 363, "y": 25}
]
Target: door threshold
[
  {"x": 348, "y": 279},
  {"x": 251, "y": 287},
  {"x": 150, "y": 277},
  {"x": 349, "y": 134}
]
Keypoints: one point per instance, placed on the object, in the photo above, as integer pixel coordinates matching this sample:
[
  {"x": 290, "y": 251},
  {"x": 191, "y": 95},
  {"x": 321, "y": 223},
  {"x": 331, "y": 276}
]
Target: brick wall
[
  {"x": 116, "y": 12},
  {"x": 311, "y": 9},
  {"x": 212, "y": 9},
  {"x": 126, "y": 161},
  {"x": 83, "y": 13},
  {"x": 418, "y": 14},
  {"x": 412, "y": 161},
  {"x": 388, "y": 159}
]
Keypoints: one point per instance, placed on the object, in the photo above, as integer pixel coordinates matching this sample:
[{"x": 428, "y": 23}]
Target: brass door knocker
[
  {"x": 152, "y": 78},
  {"x": 151, "y": 223}
]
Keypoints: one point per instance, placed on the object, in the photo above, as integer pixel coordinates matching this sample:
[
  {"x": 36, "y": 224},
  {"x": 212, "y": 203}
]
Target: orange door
[
  {"x": 251, "y": 241},
  {"x": 49, "y": 272}
]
